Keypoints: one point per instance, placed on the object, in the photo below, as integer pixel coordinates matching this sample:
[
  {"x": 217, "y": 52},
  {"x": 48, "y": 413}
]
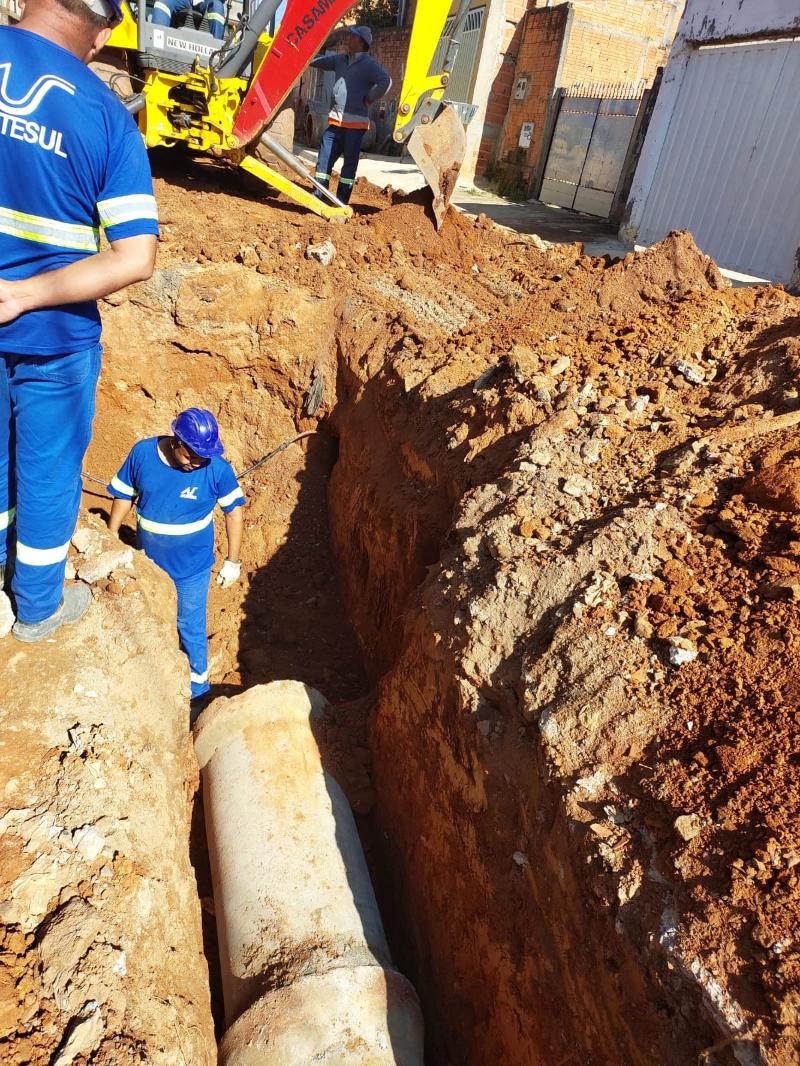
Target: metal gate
[
  {"x": 460, "y": 85},
  {"x": 588, "y": 150},
  {"x": 728, "y": 168}
]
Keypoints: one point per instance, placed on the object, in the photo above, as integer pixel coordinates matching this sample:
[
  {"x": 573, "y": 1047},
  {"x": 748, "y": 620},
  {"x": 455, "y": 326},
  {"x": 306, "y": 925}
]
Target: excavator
[{"x": 187, "y": 88}]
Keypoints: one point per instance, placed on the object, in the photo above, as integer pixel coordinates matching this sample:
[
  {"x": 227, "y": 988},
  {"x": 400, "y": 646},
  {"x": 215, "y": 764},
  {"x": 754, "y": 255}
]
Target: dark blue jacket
[{"x": 360, "y": 81}]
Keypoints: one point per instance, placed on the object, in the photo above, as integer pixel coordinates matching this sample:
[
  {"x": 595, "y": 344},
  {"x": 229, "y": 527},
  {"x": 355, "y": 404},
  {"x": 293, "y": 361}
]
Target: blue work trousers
[
  {"x": 214, "y": 11},
  {"x": 46, "y": 412},
  {"x": 339, "y": 142},
  {"x": 192, "y": 628}
]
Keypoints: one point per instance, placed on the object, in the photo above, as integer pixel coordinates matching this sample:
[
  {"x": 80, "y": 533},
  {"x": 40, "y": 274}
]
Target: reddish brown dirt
[{"x": 589, "y": 854}]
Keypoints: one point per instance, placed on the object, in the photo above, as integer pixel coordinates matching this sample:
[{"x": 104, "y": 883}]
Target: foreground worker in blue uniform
[
  {"x": 177, "y": 482},
  {"x": 71, "y": 160}
]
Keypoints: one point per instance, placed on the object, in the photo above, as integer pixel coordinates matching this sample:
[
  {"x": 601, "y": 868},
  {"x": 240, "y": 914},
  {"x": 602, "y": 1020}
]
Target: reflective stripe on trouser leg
[
  {"x": 192, "y": 628},
  {"x": 8, "y": 490},
  {"x": 163, "y": 11},
  {"x": 214, "y": 11},
  {"x": 52, "y": 407},
  {"x": 351, "y": 150}
]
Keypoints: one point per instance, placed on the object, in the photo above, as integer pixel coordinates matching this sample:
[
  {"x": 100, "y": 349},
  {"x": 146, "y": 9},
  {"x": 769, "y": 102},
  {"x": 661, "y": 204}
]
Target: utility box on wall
[{"x": 525, "y": 135}]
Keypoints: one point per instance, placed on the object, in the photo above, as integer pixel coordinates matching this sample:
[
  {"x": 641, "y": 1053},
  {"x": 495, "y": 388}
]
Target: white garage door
[{"x": 730, "y": 167}]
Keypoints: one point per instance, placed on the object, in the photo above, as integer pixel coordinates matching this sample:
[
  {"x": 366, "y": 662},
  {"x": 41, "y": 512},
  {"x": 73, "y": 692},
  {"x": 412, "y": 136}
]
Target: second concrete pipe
[{"x": 306, "y": 969}]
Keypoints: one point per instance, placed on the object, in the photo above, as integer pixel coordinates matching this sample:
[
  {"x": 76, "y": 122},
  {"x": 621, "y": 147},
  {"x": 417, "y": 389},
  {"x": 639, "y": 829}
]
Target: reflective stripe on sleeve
[
  {"x": 48, "y": 231},
  {"x": 212, "y": 16},
  {"x": 128, "y": 208},
  {"x": 174, "y": 529},
  {"x": 198, "y": 679},
  {"x": 158, "y": 6},
  {"x": 40, "y": 556},
  {"x": 7, "y": 517},
  {"x": 237, "y": 494},
  {"x": 120, "y": 486}
]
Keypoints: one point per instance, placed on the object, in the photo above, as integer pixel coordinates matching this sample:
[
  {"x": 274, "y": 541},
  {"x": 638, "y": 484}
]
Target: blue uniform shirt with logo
[
  {"x": 71, "y": 160},
  {"x": 175, "y": 508}
]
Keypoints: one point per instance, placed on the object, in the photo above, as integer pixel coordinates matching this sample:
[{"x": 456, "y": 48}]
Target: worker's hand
[
  {"x": 229, "y": 574},
  {"x": 11, "y": 304}
]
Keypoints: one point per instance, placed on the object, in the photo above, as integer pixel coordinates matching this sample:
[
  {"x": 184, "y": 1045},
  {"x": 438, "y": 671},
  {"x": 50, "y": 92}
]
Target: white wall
[{"x": 703, "y": 22}]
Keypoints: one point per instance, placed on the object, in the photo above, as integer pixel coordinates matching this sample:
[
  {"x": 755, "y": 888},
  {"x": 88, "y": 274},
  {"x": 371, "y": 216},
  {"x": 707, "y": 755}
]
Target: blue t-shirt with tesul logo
[
  {"x": 71, "y": 160},
  {"x": 175, "y": 508}
]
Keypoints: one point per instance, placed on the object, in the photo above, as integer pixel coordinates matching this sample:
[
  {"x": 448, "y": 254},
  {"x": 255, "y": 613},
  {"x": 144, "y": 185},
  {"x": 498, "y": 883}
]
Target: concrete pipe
[{"x": 306, "y": 969}]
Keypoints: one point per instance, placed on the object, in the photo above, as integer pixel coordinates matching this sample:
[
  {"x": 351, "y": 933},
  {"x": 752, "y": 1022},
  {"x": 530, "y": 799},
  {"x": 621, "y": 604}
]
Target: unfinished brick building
[{"x": 595, "y": 44}]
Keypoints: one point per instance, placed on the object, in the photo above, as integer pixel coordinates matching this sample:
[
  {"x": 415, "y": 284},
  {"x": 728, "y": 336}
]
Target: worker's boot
[{"x": 73, "y": 606}]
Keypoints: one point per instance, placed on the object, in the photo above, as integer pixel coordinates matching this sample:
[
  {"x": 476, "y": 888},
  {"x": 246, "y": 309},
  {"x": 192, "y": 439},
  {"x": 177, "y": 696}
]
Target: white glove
[{"x": 229, "y": 574}]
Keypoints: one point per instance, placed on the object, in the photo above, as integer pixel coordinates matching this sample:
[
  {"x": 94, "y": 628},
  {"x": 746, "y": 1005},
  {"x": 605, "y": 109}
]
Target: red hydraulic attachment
[{"x": 303, "y": 28}]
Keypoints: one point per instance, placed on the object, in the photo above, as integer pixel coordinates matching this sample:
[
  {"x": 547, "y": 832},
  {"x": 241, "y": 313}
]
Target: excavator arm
[{"x": 432, "y": 130}]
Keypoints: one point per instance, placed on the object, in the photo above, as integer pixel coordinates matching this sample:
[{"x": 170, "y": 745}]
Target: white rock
[
  {"x": 539, "y": 244},
  {"x": 690, "y": 371},
  {"x": 539, "y": 456},
  {"x": 83, "y": 1037},
  {"x": 324, "y": 253},
  {"x": 560, "y": 365},
  {"x": 88, "y": 842},
  {"x": 69, "y": 570},
  {"x": 679, "y": 655},
  {"x": 6, "y": 615},
  {"x": 688, "y": 826},
  {"x": 97, "y": 569},
  {"x": 577, "y": 486},
  {"x": 520, "y": 858},
  {"x": 87, "y": 541}
]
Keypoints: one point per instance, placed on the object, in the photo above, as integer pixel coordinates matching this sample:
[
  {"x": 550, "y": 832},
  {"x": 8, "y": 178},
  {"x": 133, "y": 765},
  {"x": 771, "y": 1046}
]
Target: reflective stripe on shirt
[
  {"x": 120, "y": 486},
  {"x": 198, "y": 679},
  {"x": 7, "y": 517},
  {"x": 174, "y": 529},
  {"x": 237, "y": 494},
  {"x": 126, "y": 209},
  {"x": 48, "y": 231}
]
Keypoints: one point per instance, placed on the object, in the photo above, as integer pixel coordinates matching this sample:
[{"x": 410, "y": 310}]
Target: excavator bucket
[{"x": 438, "y": 150}]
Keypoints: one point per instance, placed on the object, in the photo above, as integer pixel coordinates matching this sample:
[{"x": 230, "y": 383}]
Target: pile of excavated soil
[{"x": 564, "y": 531}]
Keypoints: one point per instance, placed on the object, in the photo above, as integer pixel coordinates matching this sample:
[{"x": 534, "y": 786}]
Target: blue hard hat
[{"x": 198, "y": 430}]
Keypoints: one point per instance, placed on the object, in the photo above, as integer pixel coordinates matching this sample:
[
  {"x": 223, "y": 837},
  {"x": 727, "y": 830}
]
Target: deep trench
[{"x": 294, "y": 625}]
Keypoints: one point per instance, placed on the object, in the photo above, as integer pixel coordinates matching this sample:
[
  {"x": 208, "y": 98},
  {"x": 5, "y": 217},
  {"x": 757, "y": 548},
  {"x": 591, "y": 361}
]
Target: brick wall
[
  {"x": 502, "y": 82},
  {"x": 537, "y": 62},
  {"x": 619, "y": 40}
]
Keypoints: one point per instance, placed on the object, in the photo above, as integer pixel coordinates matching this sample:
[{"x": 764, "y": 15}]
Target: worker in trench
[
  {"x": 71, "y": 160},
  {"x": 177, "y": 481},
  {"x": 360, "y": 82}
]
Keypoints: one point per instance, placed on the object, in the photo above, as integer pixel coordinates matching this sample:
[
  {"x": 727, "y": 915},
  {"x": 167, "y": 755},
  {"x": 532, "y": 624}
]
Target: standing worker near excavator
[
  {"x": 71, "y": 160},
  {"x": 360, "y": 82},
  {"x": 177, "y": 482}
]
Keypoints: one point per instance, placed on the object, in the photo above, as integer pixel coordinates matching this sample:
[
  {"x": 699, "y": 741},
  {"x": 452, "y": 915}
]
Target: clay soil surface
[
  {"x": 583, "y": 452},
  {"x": 543, "y": 556}
]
